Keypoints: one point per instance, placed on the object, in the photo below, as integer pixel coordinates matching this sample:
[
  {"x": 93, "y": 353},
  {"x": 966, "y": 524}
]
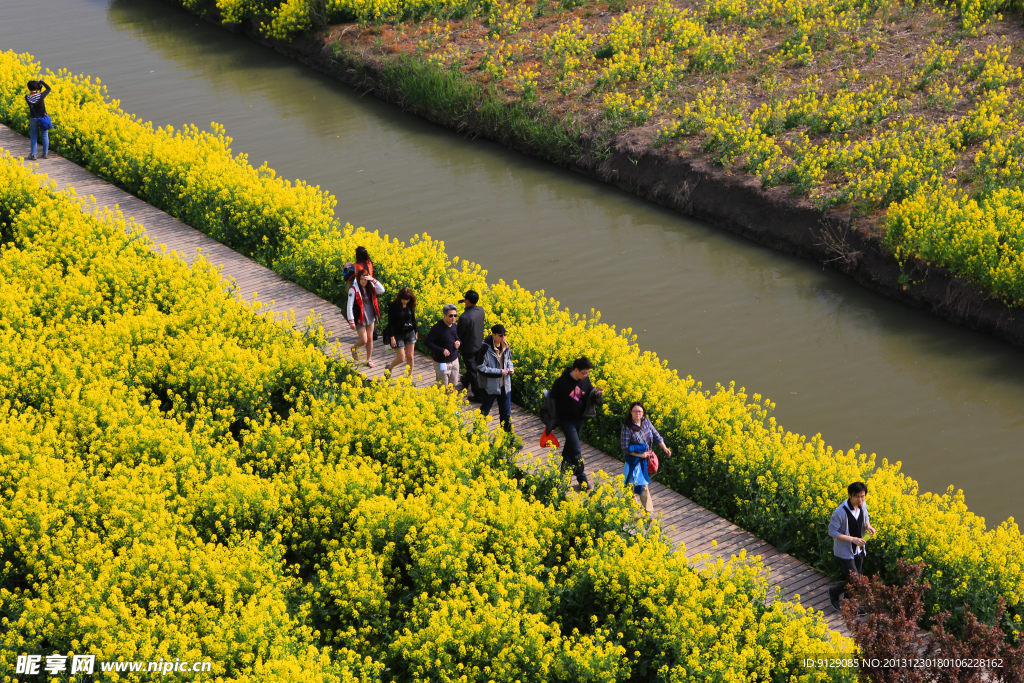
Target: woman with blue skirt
[{"x": 638, "y": 439}]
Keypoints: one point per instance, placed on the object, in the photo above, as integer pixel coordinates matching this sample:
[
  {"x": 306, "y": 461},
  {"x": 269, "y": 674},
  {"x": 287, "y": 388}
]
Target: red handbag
[
  {"x": 652, "y": 464},
  {"x": 548, "y": 439}
]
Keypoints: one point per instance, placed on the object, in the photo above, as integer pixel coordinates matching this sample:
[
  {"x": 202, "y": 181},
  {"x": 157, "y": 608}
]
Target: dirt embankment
[{"x": 694, "y": 187}]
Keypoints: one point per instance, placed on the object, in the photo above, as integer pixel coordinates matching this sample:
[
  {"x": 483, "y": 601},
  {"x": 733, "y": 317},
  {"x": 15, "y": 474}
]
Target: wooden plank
[
  {"x": 699, "y": 514},
  {"x": 700, "y": 536},
  {"x": 698, "y": 540},
  {"x": 706, "y": 545},
  {"x": 820, "y": 603},
  {"x": 735, "y": 543},
  {"x": 699, "y": 522},
  {"x": 754, "y": 546},
  {"x": 676, "y": 510},
  {"x": 694, "y": 536},
  {"x": 674, "y": 505},
  {"x": 765, "y": 551},
  {"x": 721, "y": 540},
  {"x": 748, "y": 541},
  {"x": 800, "y": 583},
  {"x": 790, "y": 584},
  {"x": 679, "y": 505},
  {"x": 785, "y": 569},
  {"x": 814, "y": 597}
]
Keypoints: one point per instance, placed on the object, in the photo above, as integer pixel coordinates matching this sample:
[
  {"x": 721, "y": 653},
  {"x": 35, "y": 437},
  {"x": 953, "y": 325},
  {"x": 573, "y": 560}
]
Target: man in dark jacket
[
  {"x": 574, "y": 395},
  {"x": 443, "y": 342},
  {"x": 471, "y": 334}
]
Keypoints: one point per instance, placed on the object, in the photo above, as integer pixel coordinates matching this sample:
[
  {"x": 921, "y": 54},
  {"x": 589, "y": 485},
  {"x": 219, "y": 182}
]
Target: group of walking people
[
  {"x": 486, "y": 371},
  {"x": 484, "y": 366}
]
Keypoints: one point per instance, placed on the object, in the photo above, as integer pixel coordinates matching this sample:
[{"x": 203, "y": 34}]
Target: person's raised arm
[
  {"x": 491, "y": 370},
  {"x": 557, "y": 391},
  {"x": 834, "y": 527},
  {"x": 835, "y": 524}
]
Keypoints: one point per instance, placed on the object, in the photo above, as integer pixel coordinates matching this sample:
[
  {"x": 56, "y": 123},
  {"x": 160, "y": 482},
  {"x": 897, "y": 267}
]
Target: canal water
[{"x": 838, "y": 360}]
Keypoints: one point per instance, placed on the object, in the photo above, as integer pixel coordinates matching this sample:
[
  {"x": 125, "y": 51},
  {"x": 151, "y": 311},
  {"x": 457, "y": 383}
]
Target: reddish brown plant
[{"x": 894, "y": 649}]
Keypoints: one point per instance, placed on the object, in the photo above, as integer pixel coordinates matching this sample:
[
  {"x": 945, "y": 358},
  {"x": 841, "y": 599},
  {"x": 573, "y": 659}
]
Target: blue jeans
[
  {"x": 33, "y": 134},
  {"x": 504, "y": 407},
  {"x": 572, "y": 452}
]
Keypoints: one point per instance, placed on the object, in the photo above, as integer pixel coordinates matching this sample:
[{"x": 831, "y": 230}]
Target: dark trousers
[
  {"x": 471, "y": 378},
  {"x": 849, "y": 567},
  {"x": 571, "y": 452},
  {"x": 504, "y": 407}
]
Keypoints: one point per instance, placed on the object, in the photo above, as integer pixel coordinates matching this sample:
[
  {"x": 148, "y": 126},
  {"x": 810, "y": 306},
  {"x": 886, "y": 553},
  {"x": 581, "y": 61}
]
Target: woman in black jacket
[{"x": 402, "y": 328}]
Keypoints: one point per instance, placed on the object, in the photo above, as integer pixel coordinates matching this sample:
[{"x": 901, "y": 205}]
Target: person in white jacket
[{"x": 363, "y": 312}]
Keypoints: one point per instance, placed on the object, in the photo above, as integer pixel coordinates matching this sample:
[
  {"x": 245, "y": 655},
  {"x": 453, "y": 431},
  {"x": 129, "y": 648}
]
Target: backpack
[{"x": 548, "y": 410}]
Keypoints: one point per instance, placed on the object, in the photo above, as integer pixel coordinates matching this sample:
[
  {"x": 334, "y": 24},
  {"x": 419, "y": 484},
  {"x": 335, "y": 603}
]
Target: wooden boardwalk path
[{"x": 685, "y": 522}]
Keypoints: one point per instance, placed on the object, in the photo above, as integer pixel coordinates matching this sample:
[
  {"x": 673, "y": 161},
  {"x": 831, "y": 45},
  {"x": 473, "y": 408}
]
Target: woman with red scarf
[{"x": 363, "y": 311}]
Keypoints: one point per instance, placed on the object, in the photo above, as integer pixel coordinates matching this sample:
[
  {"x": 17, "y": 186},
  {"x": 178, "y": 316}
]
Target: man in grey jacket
[
  {"x": 496, "y": 371},
  {"x": 847, "y": 527}
]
